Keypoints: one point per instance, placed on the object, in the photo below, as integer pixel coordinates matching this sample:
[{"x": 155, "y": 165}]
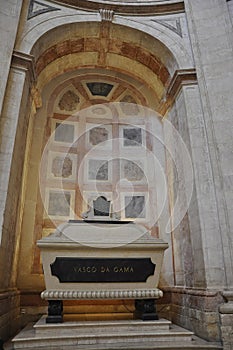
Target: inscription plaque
[{"x": 78, "y": 270}]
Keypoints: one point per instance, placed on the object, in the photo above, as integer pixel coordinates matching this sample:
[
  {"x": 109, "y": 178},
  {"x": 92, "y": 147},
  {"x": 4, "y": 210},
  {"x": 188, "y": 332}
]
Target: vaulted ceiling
[{"x": 114, "y": 50}]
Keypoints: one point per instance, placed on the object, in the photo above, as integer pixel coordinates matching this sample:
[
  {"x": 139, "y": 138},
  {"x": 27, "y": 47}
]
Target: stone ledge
[{"x": 227, "y": 308}]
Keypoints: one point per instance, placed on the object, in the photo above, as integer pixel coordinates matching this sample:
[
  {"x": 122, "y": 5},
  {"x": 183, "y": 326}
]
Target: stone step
[
  {"x": 196, "y": 344},
  {"x": 120, "y": 326},
  {"x": 108, "y": 335},
  {"x": 107, "y": 316}
]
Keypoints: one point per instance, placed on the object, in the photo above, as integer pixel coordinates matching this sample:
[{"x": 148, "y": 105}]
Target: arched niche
[{"x": 67, "y": 57}]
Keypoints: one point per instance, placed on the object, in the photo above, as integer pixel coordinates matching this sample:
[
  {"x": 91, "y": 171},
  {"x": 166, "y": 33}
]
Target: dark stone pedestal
[
  {"x": 55, "y": 311},
  {"x": 145, "y": 309}
]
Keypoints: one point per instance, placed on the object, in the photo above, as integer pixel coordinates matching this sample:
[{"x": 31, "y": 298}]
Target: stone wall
[
  {"x": 196, "y": 310},
  {"x": 9, "y": 313},
  {"x": 9, "y": 20},
  {"x": 211, "y": 33},
  {"x": 226, "y": 320},
  {"x": 14, "y": 123}
]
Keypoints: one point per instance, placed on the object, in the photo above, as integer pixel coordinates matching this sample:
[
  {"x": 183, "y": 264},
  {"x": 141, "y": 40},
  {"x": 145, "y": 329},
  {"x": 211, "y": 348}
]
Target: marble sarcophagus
[{"x": 107, "y": 259}]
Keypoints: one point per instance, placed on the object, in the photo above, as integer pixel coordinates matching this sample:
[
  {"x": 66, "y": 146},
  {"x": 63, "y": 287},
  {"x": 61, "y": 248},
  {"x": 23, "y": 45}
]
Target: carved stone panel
[
  {"x": 97, "y": 135},
  {"x": 132, "y": 171},
  {"x": 135, "y": 206},
  {"x": 132, "y": 136},
  {"x": 64, "y": 133},
  {"x": 59, "y": 203},
  {"x": 98, "y": 170},
  {"x": 69, "y": 101},
  {"x": 62, "y": 167},
  {"x": 99, "y": 89}
]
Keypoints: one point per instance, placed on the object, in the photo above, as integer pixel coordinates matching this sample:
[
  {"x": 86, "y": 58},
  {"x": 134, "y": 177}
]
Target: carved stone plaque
[{"x": 77, "y": 270}]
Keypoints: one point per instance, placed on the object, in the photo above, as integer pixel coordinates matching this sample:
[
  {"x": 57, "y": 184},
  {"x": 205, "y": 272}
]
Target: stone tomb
[{"x": 102, "y": 260}]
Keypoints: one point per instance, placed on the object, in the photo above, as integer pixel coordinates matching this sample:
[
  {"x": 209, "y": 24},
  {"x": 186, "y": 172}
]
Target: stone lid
[{"x": 100, "y": 235}]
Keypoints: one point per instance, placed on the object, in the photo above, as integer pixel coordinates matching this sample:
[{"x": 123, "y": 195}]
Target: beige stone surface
[
  {"x": 79, "y": 240},
  {"x": 9, "y": 20}
]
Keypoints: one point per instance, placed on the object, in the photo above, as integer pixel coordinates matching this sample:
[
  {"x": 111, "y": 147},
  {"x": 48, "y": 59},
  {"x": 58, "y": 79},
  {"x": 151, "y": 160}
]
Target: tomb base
[{"x": 108, "y": 335}]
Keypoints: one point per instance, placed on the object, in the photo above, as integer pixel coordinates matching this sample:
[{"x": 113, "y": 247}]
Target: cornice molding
[
  {"x": 24, "y": 62},
  {"x": 181, "y": 77},
  {"x": 160, "y": 8}
]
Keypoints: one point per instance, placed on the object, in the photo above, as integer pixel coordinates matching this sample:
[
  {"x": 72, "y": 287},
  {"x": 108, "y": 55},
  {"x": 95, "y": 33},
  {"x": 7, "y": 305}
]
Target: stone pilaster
[
  {"x": 9, "y": 19},
  {"x": 210, "y": 29},
  {"x": 13, "y": 126},
  {"x": 20, "y": 80}
]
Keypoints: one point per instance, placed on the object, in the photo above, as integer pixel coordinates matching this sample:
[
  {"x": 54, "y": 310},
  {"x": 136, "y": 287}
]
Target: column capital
[
  {"x": 24, "y": 62},
  {"x": 181, "y": 77}
]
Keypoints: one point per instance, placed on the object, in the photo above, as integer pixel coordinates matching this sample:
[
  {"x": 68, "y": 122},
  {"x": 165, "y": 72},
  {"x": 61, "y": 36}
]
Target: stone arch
[
  {"x": 166, "y": 39},
  {"x": 56, "y": 64},
  {"x": 72, "y": 42}
]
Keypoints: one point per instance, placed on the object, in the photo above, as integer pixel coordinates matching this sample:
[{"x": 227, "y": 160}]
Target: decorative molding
[
  {"x": 123, "y": 48},
  {"x": 102, "y": 294},
  {"x": 180, "y": 78},
  {"x": 176, "y": 28},
  {"x": 167, "y": 7},
  {"x": 24, "y": 62},
  {"x": 37, "y": 8},
  {"x": 227, "y": 308},
  {"x": 192, "y": 292},
  {"x": 36, "y": 97},
  {"x": 106, "y": 15}
]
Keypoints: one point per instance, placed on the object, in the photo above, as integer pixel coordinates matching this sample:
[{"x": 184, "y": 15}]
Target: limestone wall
[
  {"x": 211, "y": 32},
  {"x": 9, "y": 20}
]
